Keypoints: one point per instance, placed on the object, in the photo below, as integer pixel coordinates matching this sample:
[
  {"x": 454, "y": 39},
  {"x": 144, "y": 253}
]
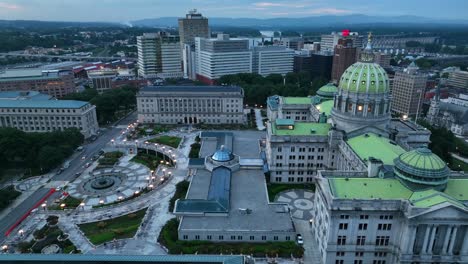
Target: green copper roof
[
  {"x": 420, "y": 167},
  {"x": 368, "y": 188},
  {"x": 325, "y": 107},
  {"x": 458, "y": 189},
  {"x": 393, "y": 189},
  {"x": 371, "y": 145},
  {"x": 327, "y": 90},
  {"x": 296, "y": 100},
  {"x": 300, "y": 129},
  {"x": 364, "y": 77}
]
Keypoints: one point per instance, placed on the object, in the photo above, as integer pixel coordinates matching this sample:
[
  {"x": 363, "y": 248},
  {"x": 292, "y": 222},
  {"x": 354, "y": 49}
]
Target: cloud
[
  {"x": 9, "y": 6},
  {"x": 270, "y": 4},
  {"x": 328, "y": 11}
]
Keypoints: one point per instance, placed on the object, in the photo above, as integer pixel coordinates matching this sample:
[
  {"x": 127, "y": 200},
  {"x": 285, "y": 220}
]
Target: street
[{"x": 76, "y": 165}]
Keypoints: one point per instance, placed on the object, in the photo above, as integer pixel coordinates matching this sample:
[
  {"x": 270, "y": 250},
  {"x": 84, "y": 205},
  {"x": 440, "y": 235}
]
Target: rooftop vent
[
  {"x": 366, "y": 135},
  {"x": 312, "y": 131}
]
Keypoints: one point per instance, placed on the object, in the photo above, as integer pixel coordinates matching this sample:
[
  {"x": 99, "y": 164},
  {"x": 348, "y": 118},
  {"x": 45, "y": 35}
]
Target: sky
[{"x": 128, "y": 10}]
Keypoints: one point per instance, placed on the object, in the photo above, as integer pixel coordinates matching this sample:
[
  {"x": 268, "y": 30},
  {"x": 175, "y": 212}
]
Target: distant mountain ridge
[
  {"x": 313, "y": 21},
  {"x": 52, "y": 24}
]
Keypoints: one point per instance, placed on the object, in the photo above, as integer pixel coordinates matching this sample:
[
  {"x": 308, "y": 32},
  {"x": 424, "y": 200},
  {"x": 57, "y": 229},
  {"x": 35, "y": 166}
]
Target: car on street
[
  {"x": 299, "y": 239},
  {"x": 101, "y": 152},
  {"x": 78, "y": 174},
  {"x": 95, "y": 157},
  {"x": 88, "y": 164},
  {"x": 84, "y": 157},
  {"x": 80, "y": 148}
]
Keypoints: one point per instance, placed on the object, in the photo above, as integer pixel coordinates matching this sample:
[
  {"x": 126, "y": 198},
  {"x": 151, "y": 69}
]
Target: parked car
[
  {"x": 84, "y": 157},
  {"x": 80, "y": 148},
  {"x": 299, "y": 239},
  {"x": 101, "y": 152},
  {"x": 88, "y": 164}
]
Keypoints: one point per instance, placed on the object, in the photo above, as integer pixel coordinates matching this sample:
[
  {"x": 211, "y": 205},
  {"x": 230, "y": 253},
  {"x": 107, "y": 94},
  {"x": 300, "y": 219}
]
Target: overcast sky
[{"x": 127, "y": 10}]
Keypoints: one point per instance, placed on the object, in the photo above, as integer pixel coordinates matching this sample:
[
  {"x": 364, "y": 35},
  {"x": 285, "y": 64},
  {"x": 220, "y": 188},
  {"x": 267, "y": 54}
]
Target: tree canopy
[{"x": 257, "y": 88}]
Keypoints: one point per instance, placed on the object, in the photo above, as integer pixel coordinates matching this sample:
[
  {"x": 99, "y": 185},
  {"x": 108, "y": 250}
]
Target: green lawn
[
  {"x": 195, "y": 150},
  {"x": 180, "y": 193},
  {"x": 110, "y": 158},
  {"x": 167, "y": 140},
  {"x": 458, "y": 165},
  {"x": 274, "y": 189},
  {"x": 169, "y": 238},
  {"x": 70, "y": 203},
  {"x": 148, "y": 160},
  {"x": 7, "y": 196},
  {"x": 121, "y": 227}
]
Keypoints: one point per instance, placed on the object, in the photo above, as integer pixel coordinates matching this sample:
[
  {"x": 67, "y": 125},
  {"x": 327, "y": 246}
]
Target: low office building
[
  {"x": 458, "y": 79},
  {"x": 191, "y": 105},
  {"x": 272, "y": 60},
  {"x": 227, "y": 200},
  {"x": 56, "y": 83},
  {"x": 34, "y": 112}
]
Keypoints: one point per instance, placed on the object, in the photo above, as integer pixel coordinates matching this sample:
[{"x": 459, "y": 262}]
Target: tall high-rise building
[
  {"x": 272, "y": 60},
  {"x": 408, "y": 91},
  {"x": 316, "y": 64},
  {"x": 221, "y": 56},
  {"x": 328, "y": 42},
  {"x": 159, "y": 55},
  {"x": 345, "y": 56},
  {"x": 192, "y": 26}
]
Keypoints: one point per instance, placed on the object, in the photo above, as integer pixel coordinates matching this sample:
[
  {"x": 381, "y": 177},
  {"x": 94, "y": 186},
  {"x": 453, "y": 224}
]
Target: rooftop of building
[
  {"x": 56, "y": 104},
  {"x": 325, "y": 107},
  {"x": 379, "y": 147},
  {"x": 247, "y": 191},
  {"x": 287, "y": 127},
  {"x": 296, "y": 100},
  {"x": 24, "y": 95},
  {"x": 328, "y": 90},
  {"x": 20, "y": 73},
  {"x": 456, "y": 192},
  {"x": 92, "y": 258},
  {"x": 191, "y": 88}
]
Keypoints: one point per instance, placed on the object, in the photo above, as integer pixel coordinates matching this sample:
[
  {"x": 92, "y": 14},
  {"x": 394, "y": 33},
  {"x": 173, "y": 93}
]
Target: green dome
[
  {"x": 421, "y": 167},
  {"x": 327, "y": 90},
  {"x": 365, "y": 77}
]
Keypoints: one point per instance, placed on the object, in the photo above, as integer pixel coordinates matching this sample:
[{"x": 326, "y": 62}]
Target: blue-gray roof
[
  {"x": 30, "y": 95},
  {"x": 183, "y": 88},
  {"x": 223, "y": 154},
  {"x": 90, "y": 258},
  {"x": 67, "y": 104}
]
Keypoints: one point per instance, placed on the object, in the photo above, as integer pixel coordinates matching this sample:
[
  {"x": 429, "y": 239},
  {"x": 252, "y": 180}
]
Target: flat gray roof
[
  {"x": 248, "y": 191},
  {"x": 183, "y": 88},
  {"x": 67, "y": 104}
]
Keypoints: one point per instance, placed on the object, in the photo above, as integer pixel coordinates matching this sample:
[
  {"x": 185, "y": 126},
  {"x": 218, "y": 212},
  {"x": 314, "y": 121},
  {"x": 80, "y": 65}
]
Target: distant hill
[
  {"x": 314, "y": 21},
  {"x": 52, "y": 24}
]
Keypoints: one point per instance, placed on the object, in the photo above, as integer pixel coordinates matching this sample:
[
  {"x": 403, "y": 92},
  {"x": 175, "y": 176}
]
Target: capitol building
[{"x": 381, "y": 195}]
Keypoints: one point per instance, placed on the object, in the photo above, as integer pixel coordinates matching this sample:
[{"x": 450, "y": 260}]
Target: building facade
[
  {"x": 458, "y": 79},
  {"x": 193, "y": 25},
  {"x": 191, "y": 105},
  {"x": 408, "y": 91},
  {"x": 33, "y": 112},
  {"x": 221, "y": 56},
  {"x": 272, "y": 60},
  {"x": 56, "y": 83},
  {"x": 317, "y": 64},
  {"x": 451, "y": 113},
  {"x": 159, "y": 55},
  {"x": 344, "y": 56},
  {"x": 101, "y": 80}
]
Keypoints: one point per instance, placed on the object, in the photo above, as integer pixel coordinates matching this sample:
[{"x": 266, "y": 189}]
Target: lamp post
[
  {"x": 44, "y": 206},
  {"x": 21, "y": 232},
  {"x": 82, "y": 204},
  {"x": 62, "y": 206}
]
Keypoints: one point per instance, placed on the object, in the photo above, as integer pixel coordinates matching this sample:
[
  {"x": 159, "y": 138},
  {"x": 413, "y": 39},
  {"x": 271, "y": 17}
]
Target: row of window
[
  {"x": 381, "y": 217},
  {"x": 361, "y": 240},
  {"x": 363, "y": 226},
  {"x": 300, "y": 165},
  {"x": 361, "y": 254},
  {"x": 360, "y": 261},
  {"x": 22, "y": 110},
  {"x": 233, "y": 237},
  {"x": 292, "y": 179},
  {"x": 301, "y": 149}
]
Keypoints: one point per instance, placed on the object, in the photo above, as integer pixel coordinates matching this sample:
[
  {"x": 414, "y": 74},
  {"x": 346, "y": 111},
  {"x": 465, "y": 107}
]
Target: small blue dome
[{"x": 222, "y": 155}]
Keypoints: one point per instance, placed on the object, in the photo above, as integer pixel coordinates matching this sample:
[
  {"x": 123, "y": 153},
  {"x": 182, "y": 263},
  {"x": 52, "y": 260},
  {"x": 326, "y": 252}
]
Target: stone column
[
  {"x": 446, "y": 239},
  {"x": 431, "y": 239},
  {"x": 426, "y": 239},
  {"x": 464, "y": 250},
  {"x": 411, "y": 240},
  {"x": 452, "y": 240},
  {"x": 364, "y": 110}
]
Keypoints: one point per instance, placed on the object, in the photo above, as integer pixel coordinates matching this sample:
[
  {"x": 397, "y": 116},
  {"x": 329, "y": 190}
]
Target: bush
[
  {"x": 52, "y": 220},
  {"x": 180, "y": 193},
  {"x": 101, "y": 224},
  {"x": 195, "y": 150}
]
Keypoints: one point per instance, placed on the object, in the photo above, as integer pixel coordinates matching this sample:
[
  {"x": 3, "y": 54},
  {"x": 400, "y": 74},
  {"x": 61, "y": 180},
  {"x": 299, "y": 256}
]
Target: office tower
[
  {"x": 345, "y": 56},
  {"x": 272, "y": 59},
  {"x": 408, "y": 90},
  {"x": 328, "y": 42},
  {"x": 458, "y": 79},
  {"x": 159, "y": 55},
  {"x": 221, "y": 56},
  {"x": 193, "y": 25},
  {"x": 316, "y": 64}
]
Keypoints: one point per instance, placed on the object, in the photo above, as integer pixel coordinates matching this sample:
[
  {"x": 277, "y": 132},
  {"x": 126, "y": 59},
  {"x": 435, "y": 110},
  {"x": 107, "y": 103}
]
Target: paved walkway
[
  {"x": 300, "y": 203},
  {"x": 311, "y": 253}
]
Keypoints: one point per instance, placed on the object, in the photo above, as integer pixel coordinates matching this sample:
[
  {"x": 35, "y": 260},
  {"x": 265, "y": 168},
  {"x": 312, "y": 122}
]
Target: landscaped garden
[
  {"x": 48, "y": 238},
  {"x": 7, "y": 196},
  {"x": 169, "y": 238},
  {"x": 109, "y": 159},
  {"x": 69, "y": 202},
  {"x": 180, "y": 193},
  {"x": 275, "y": 188},
  {"x": 149, "y": 160},
  {"x": 195, "y": 149},
  {"x": 124, "y": 226},
  {"x": 167, "y": 140}
]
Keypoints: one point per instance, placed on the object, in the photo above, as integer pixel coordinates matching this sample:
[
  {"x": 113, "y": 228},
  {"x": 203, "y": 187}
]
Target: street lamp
[
  {"x": 4, "y": 248},
  {"x": 405, "y": 117},
  {"x": 44, "y": 205},
  {"x": 137, "y": 192},
  {"x": 120, "y": 198},
  {"x": 21, "y": 232},
  {"x": 63, "y": 206},
  {"x": 82, "y": 205},
  {"x": 101, "y": 201},
  {"x": 151, "y": 186}
]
